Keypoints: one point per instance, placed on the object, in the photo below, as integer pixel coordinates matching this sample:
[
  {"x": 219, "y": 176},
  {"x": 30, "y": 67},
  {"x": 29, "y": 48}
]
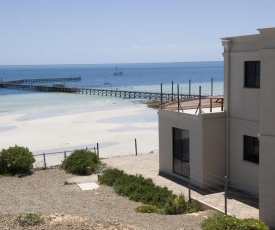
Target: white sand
[{"x": 115, "y": 130}]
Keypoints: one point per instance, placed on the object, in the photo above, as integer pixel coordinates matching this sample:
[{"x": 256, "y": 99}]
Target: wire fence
[
  {"x": 239, "y": 199},
  {"x": 46, "y": 160},
  {"x": 50, "y": 159}
]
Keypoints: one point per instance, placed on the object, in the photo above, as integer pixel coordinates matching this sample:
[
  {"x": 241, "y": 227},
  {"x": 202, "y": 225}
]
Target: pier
[{"x": 127, "y": 94}]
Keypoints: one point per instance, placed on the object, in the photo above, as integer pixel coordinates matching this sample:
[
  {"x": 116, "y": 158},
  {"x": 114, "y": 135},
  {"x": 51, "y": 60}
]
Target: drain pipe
[{"x": 227, "y": 45}]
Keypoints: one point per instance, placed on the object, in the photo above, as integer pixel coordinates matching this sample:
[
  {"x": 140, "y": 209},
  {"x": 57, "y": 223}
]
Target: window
[
  {"x": 252, "y": 74},
  {"x": 181, "y": 152},
  {"x": 251, "y": 149}
]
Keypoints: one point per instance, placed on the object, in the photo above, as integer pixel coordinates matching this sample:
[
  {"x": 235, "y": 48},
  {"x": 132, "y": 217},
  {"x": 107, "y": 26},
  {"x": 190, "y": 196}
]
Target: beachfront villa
[{"x": 238, "y": 141}]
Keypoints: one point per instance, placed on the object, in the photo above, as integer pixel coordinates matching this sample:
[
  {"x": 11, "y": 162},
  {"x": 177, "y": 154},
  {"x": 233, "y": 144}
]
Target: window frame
[
  {"x": 251, "y": 153},
  {"x": 252, "y": 79}
]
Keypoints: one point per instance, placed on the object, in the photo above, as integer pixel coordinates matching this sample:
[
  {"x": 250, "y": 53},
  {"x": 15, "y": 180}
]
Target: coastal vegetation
[
  {"x": 30, "y": 219},
  {"x": 81, "y": 162},
  {"x": 155, "y": 198},
  {"x": 16, "y": 160},
  {"x": 221, "y": 222}
]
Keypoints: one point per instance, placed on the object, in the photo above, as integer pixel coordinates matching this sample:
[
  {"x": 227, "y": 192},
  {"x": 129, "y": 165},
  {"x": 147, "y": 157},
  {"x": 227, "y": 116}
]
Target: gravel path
[{"x": 44, "y": 192}]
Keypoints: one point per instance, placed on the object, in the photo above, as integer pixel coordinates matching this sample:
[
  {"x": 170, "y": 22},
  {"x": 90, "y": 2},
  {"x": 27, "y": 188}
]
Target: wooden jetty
[{"x": 127, "y": 94}]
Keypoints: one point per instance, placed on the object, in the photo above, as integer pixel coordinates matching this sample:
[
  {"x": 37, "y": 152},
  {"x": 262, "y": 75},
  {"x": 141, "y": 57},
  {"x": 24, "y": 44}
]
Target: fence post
[
  {"x": 189, "y": 185},
  {"x": 178, "y": 98},
  {"x": 94, "y": 150},
  {"x": 161, "y": 96},
  {"x": 97, "y": 147},
  {"x": 172, "y": 91},
  {"x": 45, "y": 166},
  {"x": 211, "y": 86},
  {"x": 136, "y": 146},
  {"x": 225, "y": 195},
  {"x": 65, "y": 155},
  {"x": 189, "y": 88}
]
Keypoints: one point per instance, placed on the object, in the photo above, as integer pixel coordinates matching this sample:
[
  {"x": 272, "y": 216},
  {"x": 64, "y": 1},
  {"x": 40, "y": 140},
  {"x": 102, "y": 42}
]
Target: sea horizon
[{"x": 106, "y": 64}]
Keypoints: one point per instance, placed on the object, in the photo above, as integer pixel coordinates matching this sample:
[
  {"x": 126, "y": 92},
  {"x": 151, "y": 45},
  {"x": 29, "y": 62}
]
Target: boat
[
  {"x": 118, "y": 73},
  {"x": 106, "y": 82}
]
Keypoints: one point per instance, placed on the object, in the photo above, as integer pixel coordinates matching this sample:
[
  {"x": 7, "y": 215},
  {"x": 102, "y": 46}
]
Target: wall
[
  {"x": 267, "y": 127},
  {"x": 214, "y": 154},
  {"x": 168, "y": 120},
  {"x": 207, "y": 140}
]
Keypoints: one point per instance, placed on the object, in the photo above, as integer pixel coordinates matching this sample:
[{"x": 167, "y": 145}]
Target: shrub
[
  {"x": 30, "y": 219},
  {"x": 253, "y": 224},
  {"x": 16, "y": 160},
  {"x": 109, "y": 176},
  {"x": 194, "y": 206},
  {"x": 79, "y": 160},
  {"x": 221, "y": 222},
  {"x": 147, "y": 209},
  {"x": 175, "y": 206},
  {"x": 136, "y": 187}
]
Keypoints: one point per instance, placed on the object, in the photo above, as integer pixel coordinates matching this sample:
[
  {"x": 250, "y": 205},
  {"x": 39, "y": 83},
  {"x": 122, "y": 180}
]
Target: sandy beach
[{"x": 114, "y": 128}]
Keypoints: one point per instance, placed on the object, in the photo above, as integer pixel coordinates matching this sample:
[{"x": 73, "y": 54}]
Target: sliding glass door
[{"x": 181, "y": 152}]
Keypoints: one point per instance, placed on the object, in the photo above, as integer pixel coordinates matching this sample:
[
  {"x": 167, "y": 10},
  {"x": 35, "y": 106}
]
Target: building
[{"x": 238, "y": 142}]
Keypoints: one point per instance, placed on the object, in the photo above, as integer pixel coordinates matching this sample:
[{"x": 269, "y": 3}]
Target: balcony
[{"x": 211, "y": 104}]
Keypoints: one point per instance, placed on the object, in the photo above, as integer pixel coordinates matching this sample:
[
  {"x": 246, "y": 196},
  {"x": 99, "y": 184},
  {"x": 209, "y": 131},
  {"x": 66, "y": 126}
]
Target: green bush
[
  {"x": 221, "y": 222},
  {"x": 16, "y": 160},
  {"x": 30, "y": 219},
  {"x": 140, "y": 189},
  {"x": 194, "y": 206},
  {"x": 147, "y": 209},
  {"x": 79, "y": 160},
  {"x": 109, "y": 176},
  {"x": 175, "y": 206},
  {"x": 136, "y": 187}
]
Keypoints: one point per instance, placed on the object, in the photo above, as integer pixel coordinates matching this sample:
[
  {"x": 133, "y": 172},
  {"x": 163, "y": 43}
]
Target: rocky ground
[{"x": 68, "y": 207}]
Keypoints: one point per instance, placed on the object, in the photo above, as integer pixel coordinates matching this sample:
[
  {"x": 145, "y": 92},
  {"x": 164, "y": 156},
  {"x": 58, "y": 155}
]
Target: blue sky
[{"x": 124, "y": 31}]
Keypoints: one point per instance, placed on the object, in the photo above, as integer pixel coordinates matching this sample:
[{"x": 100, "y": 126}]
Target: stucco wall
[
  {"x": 207, "y": 142},
  {"x": 243, "y": 175},
  {"x": 244, "y": 102},
  {"x": 168, "y": 120},
  {"x": 214, "y": 151}
]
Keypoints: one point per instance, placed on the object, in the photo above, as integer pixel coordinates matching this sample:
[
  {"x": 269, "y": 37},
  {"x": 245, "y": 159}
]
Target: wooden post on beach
[
  {"x": 45, "y": 166},
  {"x": 65, "y": 155},
  {"x": 94, "y": 150},
  {"x": 136, "y": 146},
  {"x": 97, "y": 147}
]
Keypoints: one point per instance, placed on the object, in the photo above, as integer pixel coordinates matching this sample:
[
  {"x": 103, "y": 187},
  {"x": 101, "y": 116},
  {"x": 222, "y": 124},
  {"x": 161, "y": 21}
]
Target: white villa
[{"x": 238, "y": 142}]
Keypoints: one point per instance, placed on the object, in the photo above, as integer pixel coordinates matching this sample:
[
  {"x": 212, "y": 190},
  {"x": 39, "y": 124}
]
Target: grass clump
[
  {"x": 78, "y": 162},
  {"x": 147, "y": 209},
  {"x": 140, "y": 189},
  {"x": 16, "y": 160},
  {"x": 194, "y": 206},
  {"x": 30, "y": 219},
  {"x": 175, "y": 206},
  {"x": 221, "y": 222}
]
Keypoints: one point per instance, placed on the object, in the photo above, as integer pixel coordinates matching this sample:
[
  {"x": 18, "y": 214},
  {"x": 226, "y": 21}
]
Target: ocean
[
  {"x": 23, "y": 114},
  {"x": 143, "y": 77}
]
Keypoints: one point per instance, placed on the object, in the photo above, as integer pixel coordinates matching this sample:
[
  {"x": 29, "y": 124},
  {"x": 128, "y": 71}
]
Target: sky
[{"x": 36, "y": 32}]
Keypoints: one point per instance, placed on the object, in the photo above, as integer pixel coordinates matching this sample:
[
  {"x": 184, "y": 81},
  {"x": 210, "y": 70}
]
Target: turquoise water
[{"x": 141, "y": 77}]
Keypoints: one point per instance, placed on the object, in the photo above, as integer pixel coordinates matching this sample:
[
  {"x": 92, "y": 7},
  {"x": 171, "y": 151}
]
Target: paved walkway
[{"x": 148, "y": 166}]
